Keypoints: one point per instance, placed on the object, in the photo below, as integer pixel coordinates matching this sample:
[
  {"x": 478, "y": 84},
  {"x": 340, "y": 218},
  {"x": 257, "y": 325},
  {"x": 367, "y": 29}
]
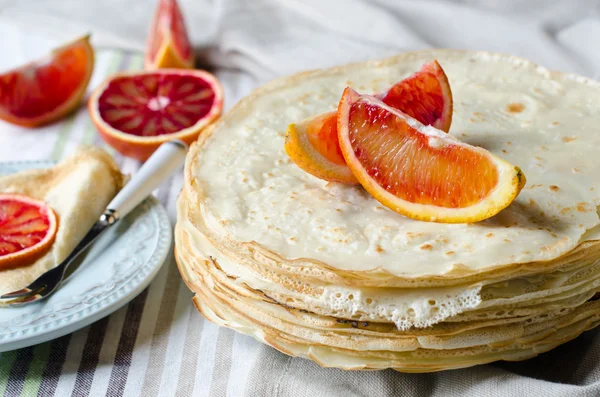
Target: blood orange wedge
[
  {"x": 136, "y": 112},
  {"x": 168, "y": 44},
  {"x": 313, "y": 143},
  {"x": 27, "y": 230},
  {"x": 419, "y": 171},
  {"x": 47, "y": 89}
]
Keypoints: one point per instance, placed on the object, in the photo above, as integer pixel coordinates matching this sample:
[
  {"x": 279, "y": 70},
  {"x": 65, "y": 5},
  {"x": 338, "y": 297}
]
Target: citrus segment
[
  {"x": 136, "y": 112},
  {"x": 425, "y": 95},
  {"x": 313, "y": 146},
  {"x": 47, "y": 89},
  {"x": 418, "y": 170},
  {"x": 27, "y": 230},
  {"x": 168, "y": 44}
]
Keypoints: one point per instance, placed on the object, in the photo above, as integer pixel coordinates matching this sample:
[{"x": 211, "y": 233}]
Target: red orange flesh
[
  {"x": 425, "y": 95},
  {"x": 168, "y": 44},
  {"x": 45, "y": 90},
  {"x": 27, "y": 230},
  {"x": 419, "y": 171},
  {"x": 136, "y": 112}
]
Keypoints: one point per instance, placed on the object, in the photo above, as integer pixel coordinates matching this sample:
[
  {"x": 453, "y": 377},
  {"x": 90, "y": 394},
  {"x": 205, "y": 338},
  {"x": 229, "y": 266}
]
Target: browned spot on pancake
[
  {"x": 569, "y": 138},
  {"x": 292, "y": 238},
  {"x": 449, "y": 252},
  {"x": 555, "y": 244},
  {"x": 526, "y": 252},
  {"x": 576, "y": 171},
  {"x": 504, "y": 151},
  {"x": 544, "y": 148},
  {"x": 515, "y": 107},
  {"x": 426, "y": 247},
  {"x": 507, "y": 240},
  {"x": 412, "y": 235},
  {"x": 379, "y": 249},
  {"x": 565, "y": 211},
  {"x": 532, "y": 202},
  {"x": 582, "y": 207},
  {"x": 477, "y": 114},
  {"x": 538, "y": 158},
  {"x": 555, "y": 123},
  {"x": 338, "y": 210},
  {"x": 472, "y": 120},
  {"x": 445, "y": 241},
  {"x": 553, "y": 235},
  {"x": 554, "y": 188},
  {"x": 509, "y": 143},
  {"x": 489, "y": 235}
]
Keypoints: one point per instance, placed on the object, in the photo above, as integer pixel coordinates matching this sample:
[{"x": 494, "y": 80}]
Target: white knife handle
[{"x": 163, "y": 162}]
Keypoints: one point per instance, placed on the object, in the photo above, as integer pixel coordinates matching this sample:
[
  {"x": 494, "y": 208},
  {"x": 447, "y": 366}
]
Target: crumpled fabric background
[{"x": 159, "y": 344}]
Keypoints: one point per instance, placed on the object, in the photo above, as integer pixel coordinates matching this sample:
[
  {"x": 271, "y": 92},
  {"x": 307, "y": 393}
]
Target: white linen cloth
[{"x": 248, "y": 42}]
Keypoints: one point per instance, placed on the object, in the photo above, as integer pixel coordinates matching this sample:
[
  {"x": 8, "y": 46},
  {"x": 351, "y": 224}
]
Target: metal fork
[{"x": 167, "y": 159}]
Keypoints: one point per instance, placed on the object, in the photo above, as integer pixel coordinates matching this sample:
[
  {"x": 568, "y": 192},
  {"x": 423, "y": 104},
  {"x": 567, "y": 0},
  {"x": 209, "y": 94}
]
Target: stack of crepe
[{"x": 323, "y": 271}]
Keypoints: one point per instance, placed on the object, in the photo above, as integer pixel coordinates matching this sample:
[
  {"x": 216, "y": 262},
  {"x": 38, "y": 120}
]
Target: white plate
[{"x": 120, "y": 264}]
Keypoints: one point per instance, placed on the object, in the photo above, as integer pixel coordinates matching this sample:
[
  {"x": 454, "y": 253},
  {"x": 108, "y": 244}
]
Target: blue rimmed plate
[{"x": 115, "y": 270}]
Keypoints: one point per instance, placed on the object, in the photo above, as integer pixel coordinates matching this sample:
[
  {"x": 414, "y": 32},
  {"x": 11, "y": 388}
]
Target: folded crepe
[{"x": 78, "y": 189}]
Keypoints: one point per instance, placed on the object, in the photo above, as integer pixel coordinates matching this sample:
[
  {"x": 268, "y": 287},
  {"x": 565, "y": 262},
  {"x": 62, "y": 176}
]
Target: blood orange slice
[
  {"x": 136, "y": 112},
  {"x": 419, "y": 171},
  {"x": 313, "y": 143},
  {"x": 27, "y": 230},
  {"x": 47, "y": 89},
  {"x": 313, "y": 146},
  {"x": 168, "y": 44}
]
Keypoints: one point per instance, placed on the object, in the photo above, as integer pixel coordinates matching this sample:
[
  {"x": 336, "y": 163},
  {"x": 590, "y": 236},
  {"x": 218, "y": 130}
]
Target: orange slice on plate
[
  {"x": 313, "y": 143},
  {"x": 136, "y": 112},
  {"x": 420, "y": 171},
  {"x": 47, "y": 89},
  {"x": 27, "y": 230},
  {"x": 168, "y": 44}
]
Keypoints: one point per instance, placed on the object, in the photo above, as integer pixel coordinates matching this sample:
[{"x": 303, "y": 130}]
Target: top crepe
[{"x": 253, "y": 198}]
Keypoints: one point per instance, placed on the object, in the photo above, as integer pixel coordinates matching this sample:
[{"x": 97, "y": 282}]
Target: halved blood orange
[
  {"x": 419, "y": 171},
  {"x": 45, "y": 90},
  {"x": 27, "y": 230},
  {"x": 138, "y": 111},
  {"x": 168, "y": 44},
  {"x": 313, "y": 143}
]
